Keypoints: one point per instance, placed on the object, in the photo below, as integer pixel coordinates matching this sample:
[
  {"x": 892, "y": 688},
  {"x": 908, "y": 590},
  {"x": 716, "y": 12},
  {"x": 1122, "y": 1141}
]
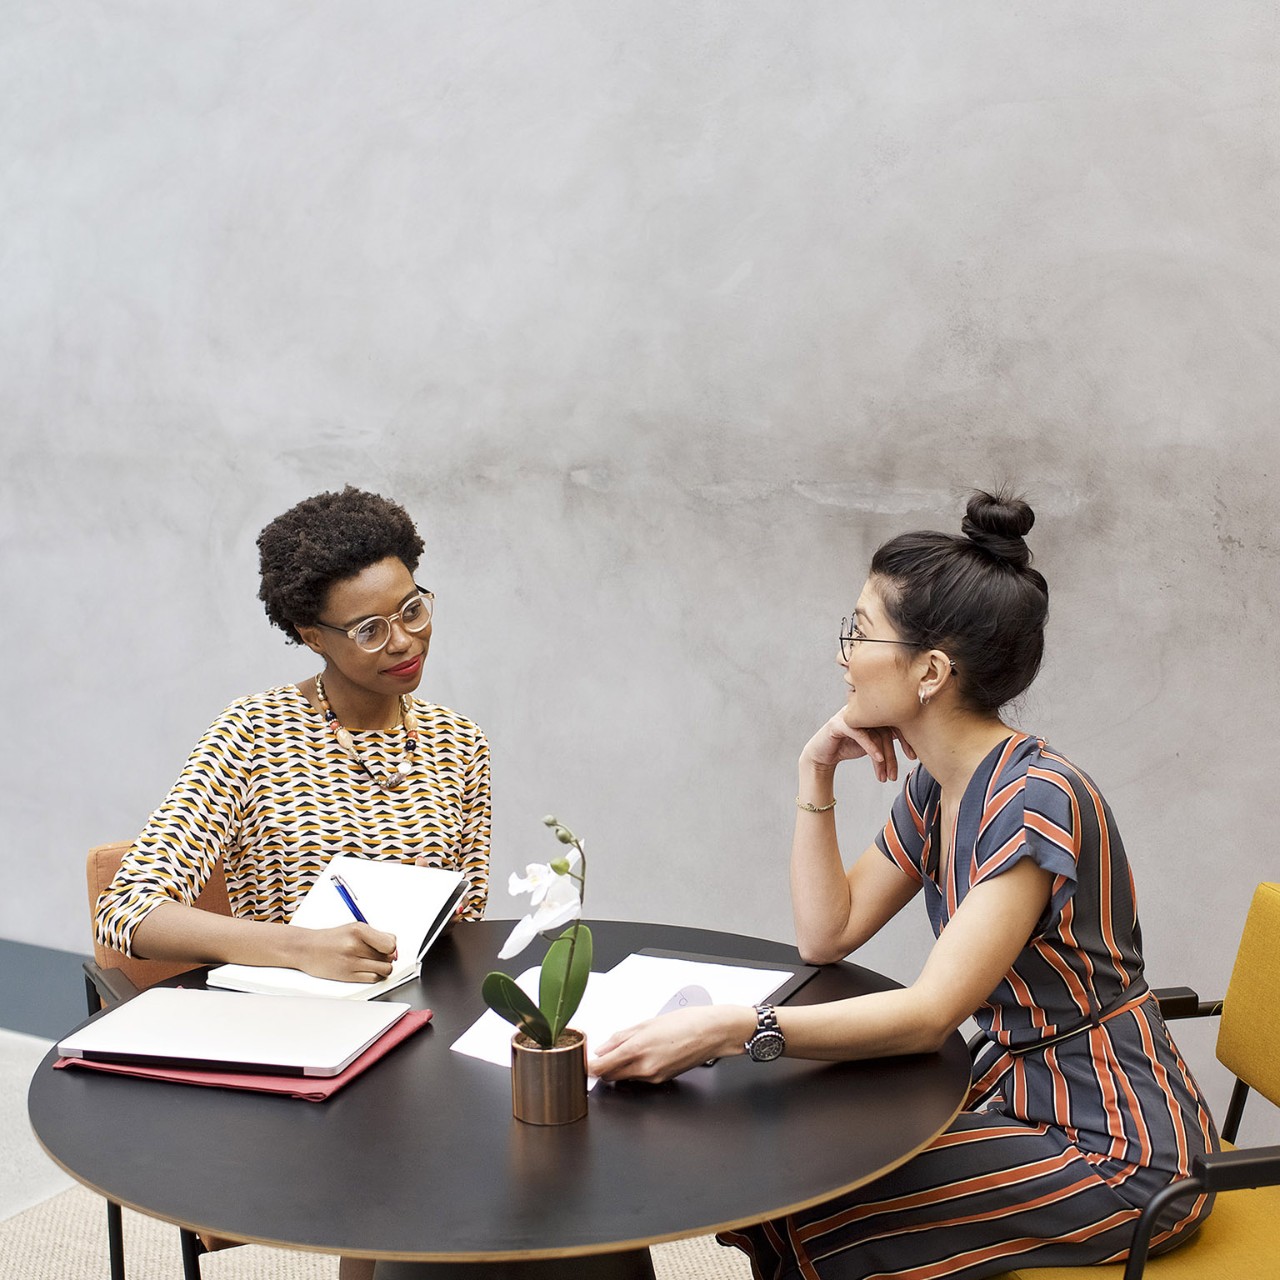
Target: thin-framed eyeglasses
[
  {"x": 372, "y": 634},
  {"x": 850, "y": 636}
]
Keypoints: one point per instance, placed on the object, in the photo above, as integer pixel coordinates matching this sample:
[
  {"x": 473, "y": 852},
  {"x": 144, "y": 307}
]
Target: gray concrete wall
[{"x": 659, "y": 318}]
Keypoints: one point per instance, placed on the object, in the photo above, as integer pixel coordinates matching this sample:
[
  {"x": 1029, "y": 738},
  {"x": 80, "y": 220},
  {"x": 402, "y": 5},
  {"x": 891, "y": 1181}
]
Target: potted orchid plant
[{"x": 548, "y": 1058}]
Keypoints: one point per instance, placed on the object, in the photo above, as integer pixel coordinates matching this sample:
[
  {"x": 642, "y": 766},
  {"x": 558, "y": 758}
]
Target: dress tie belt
[{"x": 1132, "y": 996}]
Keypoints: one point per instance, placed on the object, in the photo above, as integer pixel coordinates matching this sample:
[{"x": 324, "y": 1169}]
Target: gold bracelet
[{"x": 814, "y": 808}]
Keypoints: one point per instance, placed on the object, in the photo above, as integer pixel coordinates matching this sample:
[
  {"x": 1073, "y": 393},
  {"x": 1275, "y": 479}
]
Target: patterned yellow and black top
[{"x": 269, "y": 790}]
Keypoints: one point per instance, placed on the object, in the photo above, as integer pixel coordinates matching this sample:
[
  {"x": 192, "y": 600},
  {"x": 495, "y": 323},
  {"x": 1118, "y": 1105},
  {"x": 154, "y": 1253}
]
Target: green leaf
[
  {"x": 565, "y": 971},
  {"x": 505, "y": 998}
]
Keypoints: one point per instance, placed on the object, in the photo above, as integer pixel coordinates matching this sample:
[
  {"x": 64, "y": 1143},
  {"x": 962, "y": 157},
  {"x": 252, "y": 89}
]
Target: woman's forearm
[
  {"x": 836, "y": 911},
  {"x": 173, "y": 931},
  {"x": 354, "y": 952},
  {"x": 888, "y": 1022},
  {"x": 878, "y": 1025},
  {"x": 819, "y": 889}
]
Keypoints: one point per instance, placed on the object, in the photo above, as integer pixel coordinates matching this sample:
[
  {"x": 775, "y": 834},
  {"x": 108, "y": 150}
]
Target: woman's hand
[
  {"x": 838, "y": 740},
  {"x": 663, "y": 1047},
  {"x": 350, "y": 953}
]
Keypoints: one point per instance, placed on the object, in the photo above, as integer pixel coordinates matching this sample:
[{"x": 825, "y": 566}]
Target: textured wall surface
[{"x": 659, "y": 318}]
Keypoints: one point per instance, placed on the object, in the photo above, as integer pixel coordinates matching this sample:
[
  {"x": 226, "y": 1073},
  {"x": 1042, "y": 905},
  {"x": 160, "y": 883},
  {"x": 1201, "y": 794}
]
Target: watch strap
[{"x": 767, "y": 1041}]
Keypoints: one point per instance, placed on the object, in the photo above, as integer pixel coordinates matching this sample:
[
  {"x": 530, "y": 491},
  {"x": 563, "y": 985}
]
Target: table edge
[{"x": 613, "y": 1246}]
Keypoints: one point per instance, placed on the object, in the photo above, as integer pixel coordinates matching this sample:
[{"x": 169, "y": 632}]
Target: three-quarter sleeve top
[{"x": 270, "y": 791}]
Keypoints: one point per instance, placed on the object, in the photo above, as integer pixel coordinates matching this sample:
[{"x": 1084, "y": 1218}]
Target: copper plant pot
[{"x": 549, "y": 1086}]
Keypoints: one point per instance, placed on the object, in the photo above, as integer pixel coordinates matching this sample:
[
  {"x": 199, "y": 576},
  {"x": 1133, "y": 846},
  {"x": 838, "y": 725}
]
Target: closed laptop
[{"x": 233, "y": 1031}]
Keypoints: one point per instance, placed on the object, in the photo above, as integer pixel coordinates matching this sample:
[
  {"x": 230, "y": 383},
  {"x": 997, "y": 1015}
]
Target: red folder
[{"x": 312, "y": 1088}]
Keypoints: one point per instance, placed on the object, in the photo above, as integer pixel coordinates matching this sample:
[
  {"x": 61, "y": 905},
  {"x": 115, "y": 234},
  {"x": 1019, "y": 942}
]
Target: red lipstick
[{"x": 405, "y": 669}]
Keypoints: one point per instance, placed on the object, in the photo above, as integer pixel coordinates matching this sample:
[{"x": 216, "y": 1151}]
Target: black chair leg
[
  {"x": 191, "y": 1251},
  {"x": 1235, "y": 1108},
  {"x": 115, "y": 1239}
]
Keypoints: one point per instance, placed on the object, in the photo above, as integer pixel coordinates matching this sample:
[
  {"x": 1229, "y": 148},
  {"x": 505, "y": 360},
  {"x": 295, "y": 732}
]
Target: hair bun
[{"x": 998, "y": 523}]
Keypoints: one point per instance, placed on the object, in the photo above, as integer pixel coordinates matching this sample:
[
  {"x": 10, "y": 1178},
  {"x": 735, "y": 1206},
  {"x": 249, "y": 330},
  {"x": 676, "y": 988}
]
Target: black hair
[
  {"x": 323, "y": 540},
  {"x": 975, "y": 597}
]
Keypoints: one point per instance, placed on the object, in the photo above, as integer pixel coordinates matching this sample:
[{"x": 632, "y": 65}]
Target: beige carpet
[{"x": 65, "y": 1238}]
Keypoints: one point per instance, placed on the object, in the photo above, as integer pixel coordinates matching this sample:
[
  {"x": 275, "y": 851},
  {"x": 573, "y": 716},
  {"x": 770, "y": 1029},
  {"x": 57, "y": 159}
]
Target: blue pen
[{"x": 349, "y": 898}]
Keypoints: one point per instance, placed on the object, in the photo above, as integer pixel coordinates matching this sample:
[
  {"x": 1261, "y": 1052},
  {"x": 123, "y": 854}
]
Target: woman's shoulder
[
  {"x": 446, "y": 720},
  {"x": 282, "y": 699},
  {"x": 1044, "y": 761},
  {"x": 270, "y": 707},
  {"x": 1051, "y": 779}
]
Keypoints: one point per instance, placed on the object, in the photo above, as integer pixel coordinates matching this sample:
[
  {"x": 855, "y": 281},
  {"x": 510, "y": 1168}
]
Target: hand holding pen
[{"x": 367, "y": 937}]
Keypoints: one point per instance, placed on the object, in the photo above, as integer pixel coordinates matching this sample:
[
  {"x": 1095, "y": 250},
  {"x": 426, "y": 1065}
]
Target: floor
[{"x": 42, "y": 997}]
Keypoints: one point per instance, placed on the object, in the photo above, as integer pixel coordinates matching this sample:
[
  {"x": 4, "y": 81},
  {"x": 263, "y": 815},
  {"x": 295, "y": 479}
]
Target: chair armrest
[
  {"x": 1232, "y": 1170},
  {"x": 1166, "y": 1196},
  {"x": 1183, "y": 1002},
  {"x": 112, "y": 986},
  {"x": 1216, "y": 1171}
]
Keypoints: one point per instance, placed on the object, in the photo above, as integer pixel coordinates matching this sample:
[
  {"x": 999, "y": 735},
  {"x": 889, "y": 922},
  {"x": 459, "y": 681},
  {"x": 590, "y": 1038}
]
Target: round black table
[{"x": 420, "y": 1158}]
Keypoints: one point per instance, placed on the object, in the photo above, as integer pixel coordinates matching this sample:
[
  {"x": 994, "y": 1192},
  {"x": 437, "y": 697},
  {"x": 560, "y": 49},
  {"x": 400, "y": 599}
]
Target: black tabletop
[{"x": 421, "y": 1158}]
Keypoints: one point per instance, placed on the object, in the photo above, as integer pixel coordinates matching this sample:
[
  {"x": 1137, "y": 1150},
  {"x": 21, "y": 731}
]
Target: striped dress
[
  {"x": 270, "y": 791},
  {"x": 1081, "y": 1106}
]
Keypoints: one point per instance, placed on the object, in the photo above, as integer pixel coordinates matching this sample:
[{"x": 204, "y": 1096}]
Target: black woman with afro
[{"x": 348, "y": 759}]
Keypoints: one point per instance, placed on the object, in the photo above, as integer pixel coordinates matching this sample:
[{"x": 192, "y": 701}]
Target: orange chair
[
  {"x": 1238, "y": 1239},
  {"x": 112, "y": 977}
]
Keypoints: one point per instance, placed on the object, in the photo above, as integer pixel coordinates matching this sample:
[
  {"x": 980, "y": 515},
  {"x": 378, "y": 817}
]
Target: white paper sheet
[{"x": 636, "y": 988}]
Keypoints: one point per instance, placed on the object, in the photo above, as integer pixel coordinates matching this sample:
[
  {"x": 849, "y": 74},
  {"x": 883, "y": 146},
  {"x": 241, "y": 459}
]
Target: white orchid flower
[
  {"x": 555, "y": 896},
  {"x": 540, "y": 877},
  {"x": 555, "y": 889}
]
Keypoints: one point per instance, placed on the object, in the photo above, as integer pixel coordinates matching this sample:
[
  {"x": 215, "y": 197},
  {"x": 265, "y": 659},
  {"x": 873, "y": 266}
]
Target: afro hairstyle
[{"x": 324, "y": 540}]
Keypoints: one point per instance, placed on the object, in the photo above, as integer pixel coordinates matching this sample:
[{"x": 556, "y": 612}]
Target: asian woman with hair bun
[{"x": 1081, "y": 1106}]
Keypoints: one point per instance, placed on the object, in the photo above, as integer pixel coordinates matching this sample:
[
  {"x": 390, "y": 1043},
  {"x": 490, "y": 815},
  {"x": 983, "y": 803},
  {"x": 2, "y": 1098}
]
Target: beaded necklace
[{"x": 348, "y": 743}]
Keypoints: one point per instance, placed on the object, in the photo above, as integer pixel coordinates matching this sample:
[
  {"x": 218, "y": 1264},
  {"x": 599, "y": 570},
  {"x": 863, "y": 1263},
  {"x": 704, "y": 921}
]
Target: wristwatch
[{"x": 768, "y": 1042}]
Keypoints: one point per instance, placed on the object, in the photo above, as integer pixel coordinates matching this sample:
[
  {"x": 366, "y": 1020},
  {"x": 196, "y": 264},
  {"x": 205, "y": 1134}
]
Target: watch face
[{"x": 764, "y": 1046}]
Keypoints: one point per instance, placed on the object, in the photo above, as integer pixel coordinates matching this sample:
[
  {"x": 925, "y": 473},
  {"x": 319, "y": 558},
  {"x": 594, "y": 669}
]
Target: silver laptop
[{"x": 234, "y": 1031}]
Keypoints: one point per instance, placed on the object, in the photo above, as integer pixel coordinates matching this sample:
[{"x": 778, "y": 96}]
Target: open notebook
[{"x": 414, "y": 903}]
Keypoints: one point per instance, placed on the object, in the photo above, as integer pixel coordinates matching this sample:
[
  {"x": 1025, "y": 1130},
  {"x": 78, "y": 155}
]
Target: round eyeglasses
[
  {"x": 372, "y": 634},
  {"x": 850, "y": 635}
]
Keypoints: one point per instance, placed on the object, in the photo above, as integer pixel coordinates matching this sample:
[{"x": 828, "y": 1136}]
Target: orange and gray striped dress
[
  {"x": 270, "y": 791},
  {"x": 1081, "y": 1106}
]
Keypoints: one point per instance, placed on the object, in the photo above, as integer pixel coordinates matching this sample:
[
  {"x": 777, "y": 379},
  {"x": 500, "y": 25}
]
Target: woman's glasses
[
  {"x": 850, "y": 636},
  {"x": 372, "y": 634}
]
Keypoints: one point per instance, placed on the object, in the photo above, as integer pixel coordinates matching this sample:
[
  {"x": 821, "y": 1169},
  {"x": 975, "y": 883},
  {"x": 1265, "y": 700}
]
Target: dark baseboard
[{"x": 42, "y": 991}]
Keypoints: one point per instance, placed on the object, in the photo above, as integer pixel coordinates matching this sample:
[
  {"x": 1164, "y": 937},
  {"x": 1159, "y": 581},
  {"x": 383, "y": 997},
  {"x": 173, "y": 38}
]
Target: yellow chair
[
  {"x": 112, "y": 977},
  {"x": 1239, "y": 1239}
]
